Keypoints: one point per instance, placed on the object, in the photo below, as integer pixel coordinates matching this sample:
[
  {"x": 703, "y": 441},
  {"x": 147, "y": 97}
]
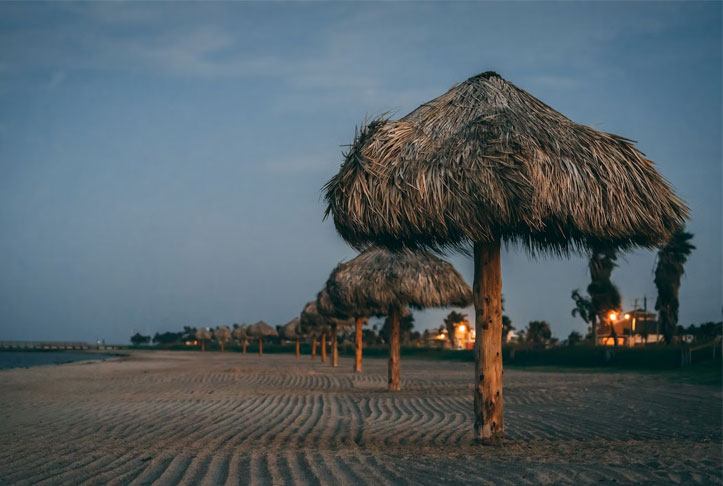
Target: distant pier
[{"x": 53, "y": 345}]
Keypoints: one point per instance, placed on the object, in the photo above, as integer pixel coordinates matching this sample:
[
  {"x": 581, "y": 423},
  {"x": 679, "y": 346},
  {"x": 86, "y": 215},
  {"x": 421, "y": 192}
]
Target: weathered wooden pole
[
  {"x": 222, "y": 346},
  {"x": 323, "y": 347},
  {"x": 203, "y": 345},
  {"x": 261, "y": 346},
  {"x": 334, "y": 347},
  {"x": 358, "y": 351},
  {"x": 393, "y": 370},
  {"x": 298, "y": 348},
  {"x": 313, "y": 348},
  {"x": 243, "y": 345},
  {"x": 487, "y": 290}
]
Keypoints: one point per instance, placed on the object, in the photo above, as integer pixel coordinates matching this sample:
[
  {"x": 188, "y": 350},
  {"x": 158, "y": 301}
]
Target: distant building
[{"x": 633, "y": 328}]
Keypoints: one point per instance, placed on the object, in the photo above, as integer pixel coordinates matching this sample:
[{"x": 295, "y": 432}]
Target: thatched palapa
[
  {"x": 222, "y": 334},
  {"x": 487, "y": 163},
  {"x": 239, "y": 334},
  {"x": 378, "y": 281},
  {"x": 261, "y": 330},
  {"x": 203, "y": 334},
  {"x": 338, "y": 321},
  {"x": 381, "y": 282},
  {"x": 292, "y": 331}
]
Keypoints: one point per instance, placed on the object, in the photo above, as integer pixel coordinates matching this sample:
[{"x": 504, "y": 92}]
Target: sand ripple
[{"x": 212, "y": 419}]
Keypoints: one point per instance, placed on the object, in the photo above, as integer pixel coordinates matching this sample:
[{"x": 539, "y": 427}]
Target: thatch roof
[
  {"x": 334, "y": 316},
  {"x": 261, "y": 329},
  {"x": 203, "y": 333},
  {"x": 379, "y": 281},
  {"x": 240, "y": 332},
  {"x": 487, "y": 160},
  {"x": 292, "y": 329},
  {"x": 312, "y": 322},
  {"x": 222, "y": 333}
]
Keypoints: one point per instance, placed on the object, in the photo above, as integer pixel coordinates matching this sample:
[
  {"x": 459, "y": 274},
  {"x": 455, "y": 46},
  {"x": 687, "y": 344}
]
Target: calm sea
[{"x": 25, "y": 359}]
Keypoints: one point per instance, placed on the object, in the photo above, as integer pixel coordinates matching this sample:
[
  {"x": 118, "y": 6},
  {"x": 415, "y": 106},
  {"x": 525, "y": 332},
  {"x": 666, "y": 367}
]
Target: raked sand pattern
[{"x": 192, "y": 418}]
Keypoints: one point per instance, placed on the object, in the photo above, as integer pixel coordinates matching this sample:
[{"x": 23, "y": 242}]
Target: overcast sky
[{"x": 161, "y": 164}]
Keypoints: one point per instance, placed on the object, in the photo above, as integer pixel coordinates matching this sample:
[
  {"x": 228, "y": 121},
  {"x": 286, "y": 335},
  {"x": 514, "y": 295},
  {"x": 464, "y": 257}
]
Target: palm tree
[
  {"x": 538, "y": 333},
  {"x": 574, "y": 338},
  {"x": 671, "y": 259},
  {"x": 583, "y": 308},
  {"x": 603, "y": 296},
  {"x": 450, "y": 323}
]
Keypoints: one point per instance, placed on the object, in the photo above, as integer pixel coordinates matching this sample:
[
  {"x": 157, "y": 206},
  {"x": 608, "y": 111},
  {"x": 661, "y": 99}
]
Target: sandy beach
[{"x": 209, "y": 418}]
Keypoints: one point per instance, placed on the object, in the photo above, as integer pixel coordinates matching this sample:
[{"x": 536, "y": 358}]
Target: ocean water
[{"x": 26, "y": 359}]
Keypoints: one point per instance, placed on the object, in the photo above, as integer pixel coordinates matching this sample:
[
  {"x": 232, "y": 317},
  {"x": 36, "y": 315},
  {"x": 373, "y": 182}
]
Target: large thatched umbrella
[
  {"x": 381, "y": 282},
  {"x": 239, "y": 334},
  {"x": 292, "y": 330},
  {"x": 203, "y": 334},
  {"x": 485, "y": 163},
  {"x": 261, "y": 330},
  {"x": 337, "y": 321},
  {"x": 222, "y": 334},
  {"x": 314, "y": 324}
]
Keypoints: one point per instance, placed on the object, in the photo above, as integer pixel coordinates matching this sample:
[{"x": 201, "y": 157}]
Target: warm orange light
[
  {"x": 462, "y": 328},
  {"x": 612, "y": 316},
  {"x": 627, "y": 316}
]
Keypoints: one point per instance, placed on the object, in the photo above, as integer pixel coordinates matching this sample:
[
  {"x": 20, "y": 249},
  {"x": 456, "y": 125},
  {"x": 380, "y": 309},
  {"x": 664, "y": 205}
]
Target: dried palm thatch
[
  {"x": 382, "y": 282},
  {"x": 261, "y": 330},
  {"x": 203, "y": 334},
  {"x": 222, "y": 334},
  {"x": 240, "y": 332},
  {"x": 327, "y": 310},
  {"x": 379, "y": 281},
  {"x": 312, "y": 322},
  {"x": 487, "y": 161},
  {"x": 291, "y": 330},
  {"x": 338, "y": 321}
]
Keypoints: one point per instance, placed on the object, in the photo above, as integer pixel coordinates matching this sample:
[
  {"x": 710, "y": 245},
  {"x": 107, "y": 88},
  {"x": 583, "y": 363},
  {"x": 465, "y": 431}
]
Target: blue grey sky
[{"x": 161, "y": 164}]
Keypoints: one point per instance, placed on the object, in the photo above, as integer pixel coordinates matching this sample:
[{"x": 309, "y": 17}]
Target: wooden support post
[
  {"x": 298, "y": 348},
  {"x": 313, "y": 348},
  {"x": 487, "y": 290},
  {"x": 393, "y": 371},
  {"x": 323, "y": 347},
  {"x": 261, "y": 346},
  {"x": 243, "y": 345},
  {"x": 358, "y": 350},
  {"x": 334, "y": 347}
]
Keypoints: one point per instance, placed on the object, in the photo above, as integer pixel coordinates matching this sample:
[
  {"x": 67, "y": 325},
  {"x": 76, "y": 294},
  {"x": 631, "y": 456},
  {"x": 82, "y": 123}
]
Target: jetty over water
[{"x": 58, "y": 345}]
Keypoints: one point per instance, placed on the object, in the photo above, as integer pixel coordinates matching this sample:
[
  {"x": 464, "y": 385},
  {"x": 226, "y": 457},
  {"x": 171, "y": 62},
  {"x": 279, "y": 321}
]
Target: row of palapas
[
  {"x": 378, "y": 282},
  {"x": 483, "y": 164}
]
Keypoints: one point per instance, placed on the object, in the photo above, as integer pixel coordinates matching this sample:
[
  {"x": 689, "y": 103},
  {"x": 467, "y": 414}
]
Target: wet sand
[{"x": 209, "y": 418}]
